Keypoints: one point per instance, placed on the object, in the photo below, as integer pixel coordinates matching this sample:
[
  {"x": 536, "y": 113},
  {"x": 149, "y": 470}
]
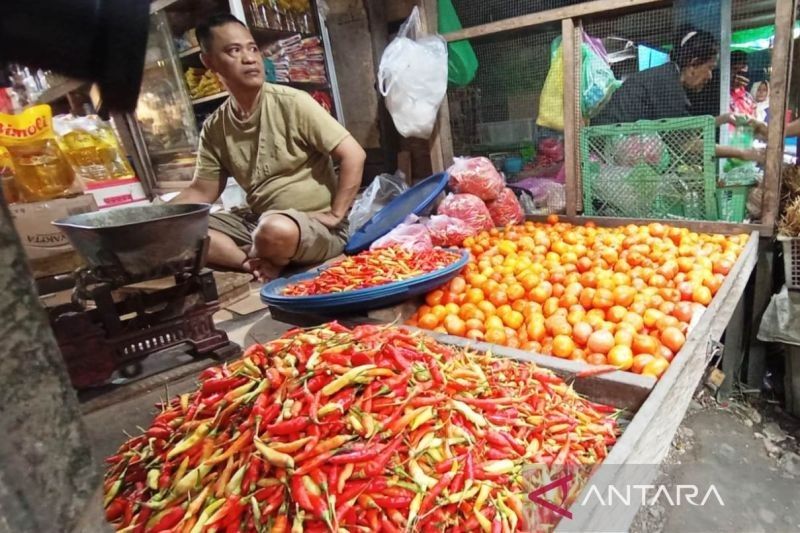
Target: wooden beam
[
  {"x": 699, "y": 226},
  {"x": 779, "y": 91},
  {"x": 551, "y": 15},
  {"x": 571, "y": 55}
]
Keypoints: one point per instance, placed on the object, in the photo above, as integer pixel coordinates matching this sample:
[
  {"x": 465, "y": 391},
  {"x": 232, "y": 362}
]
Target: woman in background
[{"x": 760, "y": 92}]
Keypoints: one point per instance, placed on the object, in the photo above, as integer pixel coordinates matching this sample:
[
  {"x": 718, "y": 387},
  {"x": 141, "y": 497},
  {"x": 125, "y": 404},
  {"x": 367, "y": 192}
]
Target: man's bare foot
[{"x": 262, "y": 269}]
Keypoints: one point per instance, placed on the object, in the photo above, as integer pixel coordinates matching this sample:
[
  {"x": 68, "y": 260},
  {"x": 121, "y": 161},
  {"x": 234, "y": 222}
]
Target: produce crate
[
  {"x": 791, "y": 261},
  {"x": 662, "y": 169},
  {"x": 732, "y": 202}
]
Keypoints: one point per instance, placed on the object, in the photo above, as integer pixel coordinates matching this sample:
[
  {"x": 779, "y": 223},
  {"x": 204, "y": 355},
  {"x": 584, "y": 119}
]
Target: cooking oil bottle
[
  {"x": 41, "y": 170},
  {"x": 7, "y": 179}
]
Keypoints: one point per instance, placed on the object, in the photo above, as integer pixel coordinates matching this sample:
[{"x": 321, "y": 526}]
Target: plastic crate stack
[{"x": 663, "y": 169}]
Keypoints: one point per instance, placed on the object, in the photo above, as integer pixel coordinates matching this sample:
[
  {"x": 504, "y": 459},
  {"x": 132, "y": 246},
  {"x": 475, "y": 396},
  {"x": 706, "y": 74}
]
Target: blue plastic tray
[
  {"x": 415, "y": 200},
  {"x": 359, "y": 300}
]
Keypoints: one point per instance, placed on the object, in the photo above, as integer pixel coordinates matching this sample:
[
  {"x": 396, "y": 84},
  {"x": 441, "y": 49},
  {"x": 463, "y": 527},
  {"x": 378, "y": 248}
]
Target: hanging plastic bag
[
  {"x": 475, "y": 175},
  {"x": 462, "y": 63},
  {"x": 551, "y": 101},
  {"x": 412, "y": 77},
  {"x": 506, "y": 209},
  {"x": 411, "y": 235},
  {"x": 597, "y": 79},
  {"x": 379, "y": 193},
  {"x": 448, "y": 231},
  {"x": 468, "y": 208}
]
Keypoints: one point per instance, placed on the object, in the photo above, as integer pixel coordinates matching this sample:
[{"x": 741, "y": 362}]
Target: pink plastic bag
[
  {"x": 475, "y": 175},
  {"x": 468, "y": 208},
  {"x": 448, "y": 231},
  {"x": 411, "y": 235},
  {"x": 506, "y": 209}
]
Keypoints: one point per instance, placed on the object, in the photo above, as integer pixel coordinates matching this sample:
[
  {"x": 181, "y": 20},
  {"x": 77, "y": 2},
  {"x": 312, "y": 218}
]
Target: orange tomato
[
  {"x": 434, "y": 298},
  {"x": 563, "y": 346},
  {"x": 552, "y": 219},
  {"x": 621, "y": 356},
  {"x": 640, "y": 361},
  {"x": 455, "y": 325},
  {"x": 651, "y": 316},
  {"x": 645, "y": 344},
  {"x": 623, "y": 337},
  {"x": 475, "y": 334},
  {"x": 474, "y": 295},
  {"x": 458, "y": 285},
  {"x": 487, "y": 307},
  {"x": 536, "y": 330},
  {"x": 440, "y": 311},
  {"x": 656, "y": 367},
  {"x": 683, "y": 312},
  {"x": 635, "y": 320},
  {"x": 495, "y": 336},
  {"x": 702, "y": 295},
  {"x": 515, "y": 292},
  {"x": 428, "y": 321},
  {"x": 616, "y": 314},
  {"x": 600, "y": 341},
  {"x": 558, "y": 325},
  {"x": 581, "y": 332},
  {"x": 672, "y": 338},
  {"x": 475, "y": 324},
  {"x": 513, "y": 319},
  {"x": 596, "y": 359}
]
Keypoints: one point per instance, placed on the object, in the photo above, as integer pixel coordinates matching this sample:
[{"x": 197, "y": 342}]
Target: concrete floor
[{"x": 721, "y": 450}]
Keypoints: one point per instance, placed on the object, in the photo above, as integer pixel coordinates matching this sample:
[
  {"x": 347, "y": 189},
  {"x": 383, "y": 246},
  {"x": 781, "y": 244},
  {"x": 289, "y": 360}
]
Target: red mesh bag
[
  {"x": 506, "y": 209},
  {"x": 475, "y": 175},
  {"x": 468, "y": 208},
  {"x": 448, "y": 231}
]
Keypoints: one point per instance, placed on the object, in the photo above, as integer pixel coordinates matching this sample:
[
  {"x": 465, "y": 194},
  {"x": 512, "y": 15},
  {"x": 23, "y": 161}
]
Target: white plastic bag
[
  {"x": 382, "y": 189},
  {"x": 412, "y": 77},
  {"x": 411, "y": 235}
]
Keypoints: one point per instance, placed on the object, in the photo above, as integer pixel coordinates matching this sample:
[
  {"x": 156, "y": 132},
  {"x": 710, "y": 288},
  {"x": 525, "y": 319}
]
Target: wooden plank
[
  {"x": 647, "y": 438},
  {"x": 397, "y": 10},
  {"x": 700, "y": 226},
  {"x": 778, "y": 96},
  {"x": 550, "y": 15},
  {"x": 571, "y": 95}
]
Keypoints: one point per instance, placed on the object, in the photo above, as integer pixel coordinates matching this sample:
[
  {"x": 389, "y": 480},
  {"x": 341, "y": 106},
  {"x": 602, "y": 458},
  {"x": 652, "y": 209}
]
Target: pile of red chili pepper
[
  {"x": 372, "y": 268},
  {"x": 370, "y": 429}
]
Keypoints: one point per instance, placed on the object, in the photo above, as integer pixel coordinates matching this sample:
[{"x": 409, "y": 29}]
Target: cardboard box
[
  {"x": 39, "y": 237},
  {"x": 117, "y": 193}
]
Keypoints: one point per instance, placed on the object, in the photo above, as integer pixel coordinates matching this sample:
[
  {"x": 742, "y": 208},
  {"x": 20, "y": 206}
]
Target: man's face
[
  {"x": 235, "y": 57},
  {"x": 696, "y": 76}
]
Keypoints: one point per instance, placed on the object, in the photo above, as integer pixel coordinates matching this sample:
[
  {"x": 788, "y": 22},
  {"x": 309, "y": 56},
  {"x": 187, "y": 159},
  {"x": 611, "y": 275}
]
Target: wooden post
[
  {"x": 441, "y": 141},
  {"x": 779, "y": 85},
  {"x": 571, "y": 55}
]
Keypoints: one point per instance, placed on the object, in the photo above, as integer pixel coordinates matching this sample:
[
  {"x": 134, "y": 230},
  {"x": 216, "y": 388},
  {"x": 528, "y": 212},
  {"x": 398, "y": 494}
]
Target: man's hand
[{"x": 328, "y": 219}]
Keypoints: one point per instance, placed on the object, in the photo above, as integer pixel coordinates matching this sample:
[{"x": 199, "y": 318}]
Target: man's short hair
[{"x": 203, "y": 30}]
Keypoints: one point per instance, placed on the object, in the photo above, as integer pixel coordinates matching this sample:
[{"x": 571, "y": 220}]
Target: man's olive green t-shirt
[{"x": 280, "y": 155}]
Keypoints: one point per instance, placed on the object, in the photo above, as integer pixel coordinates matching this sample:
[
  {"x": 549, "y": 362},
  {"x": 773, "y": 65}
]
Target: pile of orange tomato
[{"x": 623, "y": 296}]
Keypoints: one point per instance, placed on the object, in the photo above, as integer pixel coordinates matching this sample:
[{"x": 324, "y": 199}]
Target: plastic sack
[
  {"x": 468, "y": 208},
  {"x": 448, "y": 231},
  {"x": 597, "y": 81},
  {"x": 412, "y": 77},
  {"x": 411, "y": 235},
  {"x": 475, "y": 175},
  {"x": 380, "y": 192},
  {"x": 462, "y": 63},
  {"x": 506, "y": 209},
  {"x": 551, "y": 101}
]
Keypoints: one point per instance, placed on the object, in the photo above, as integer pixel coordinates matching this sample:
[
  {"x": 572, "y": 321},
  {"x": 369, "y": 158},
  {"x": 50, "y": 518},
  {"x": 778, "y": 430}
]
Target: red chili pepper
[
  {"x": 216, "y": 385},
  {"x": 430, "y": 498},
  {"x": 354, "y": 457},
  {"x": 316, "y": 462},
  {"x": 169, "y": 520},
  {"x": 469, "y": 467},
  {"x": 392, "y": 502},
  {"x": 300, "y": 494},
  {"x": 377, "y": 466},
  {"x": 251, "y": 474},
  {"x": 387, "y": 526},
  {"x": 115, "y": 509},
  {"x": 288, "y": 427},
  {"x": 159, "y": 432}
]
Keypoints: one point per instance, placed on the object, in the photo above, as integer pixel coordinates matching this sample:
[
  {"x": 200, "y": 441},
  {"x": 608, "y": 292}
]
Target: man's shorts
[{"x": 317, "y": 242}]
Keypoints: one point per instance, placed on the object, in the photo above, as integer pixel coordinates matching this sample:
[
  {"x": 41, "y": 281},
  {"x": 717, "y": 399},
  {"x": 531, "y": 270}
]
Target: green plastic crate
[
  {"x": 732, "y": 202},
  {"x": 663, "y": 169}
]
